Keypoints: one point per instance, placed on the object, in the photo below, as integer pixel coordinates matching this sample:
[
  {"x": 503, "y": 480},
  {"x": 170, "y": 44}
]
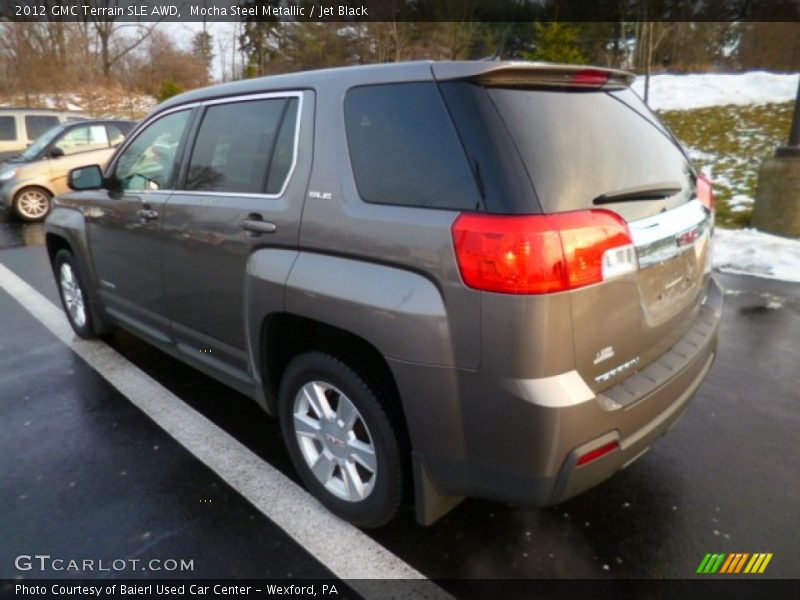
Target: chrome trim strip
[
  {"x": 227, "y": 100},
  {"x": 658, "y": 238}
]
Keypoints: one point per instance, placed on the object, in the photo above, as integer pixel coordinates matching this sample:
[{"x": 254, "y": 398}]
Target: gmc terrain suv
[{"x": 459, "y": 278}]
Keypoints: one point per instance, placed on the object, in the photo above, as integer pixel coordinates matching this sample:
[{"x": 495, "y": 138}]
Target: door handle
[
  {"x": 257, "y": 225},
  {"x": 147, "y": 214}
]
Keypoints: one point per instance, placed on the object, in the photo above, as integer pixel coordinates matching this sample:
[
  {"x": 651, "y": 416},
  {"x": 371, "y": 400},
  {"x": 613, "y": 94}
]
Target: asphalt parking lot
[{"x": 85, "y": 472}]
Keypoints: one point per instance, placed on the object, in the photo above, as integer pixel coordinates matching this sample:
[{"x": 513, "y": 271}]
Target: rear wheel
[
  {"x": 73, "y": 294},
  {"x": 340, "y": 439},
  {"x": 32, "y": 203}
]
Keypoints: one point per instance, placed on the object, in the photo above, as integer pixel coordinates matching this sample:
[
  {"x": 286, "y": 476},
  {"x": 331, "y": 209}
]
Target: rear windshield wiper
[{"x": 648, "y": 192}]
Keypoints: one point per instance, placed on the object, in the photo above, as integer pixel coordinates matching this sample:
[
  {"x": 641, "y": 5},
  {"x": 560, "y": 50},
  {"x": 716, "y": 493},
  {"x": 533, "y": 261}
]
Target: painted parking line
[{"x": 345, "y": 550}]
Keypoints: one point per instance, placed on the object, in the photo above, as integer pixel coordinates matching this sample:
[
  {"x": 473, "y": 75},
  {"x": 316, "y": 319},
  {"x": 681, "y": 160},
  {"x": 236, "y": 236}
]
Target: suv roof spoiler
[{"x": 533, "y": 74}]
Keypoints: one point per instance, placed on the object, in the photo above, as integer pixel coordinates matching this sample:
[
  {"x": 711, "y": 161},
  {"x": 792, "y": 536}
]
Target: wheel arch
[
  {"x": 285, "y": 335},
  {"x": 65, "y": 229}
]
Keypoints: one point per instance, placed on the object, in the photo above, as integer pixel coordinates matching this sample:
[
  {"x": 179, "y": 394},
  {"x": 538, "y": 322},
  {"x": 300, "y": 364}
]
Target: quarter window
[
  {"x": 8, "y": 129},
  {"x": 148, "y": 163},
  {"x": 36, "y": 125},
  {"x": 404, "y": 148},
  {"x": 244, "y": 147},
  {"x": 115, "y": 134}
]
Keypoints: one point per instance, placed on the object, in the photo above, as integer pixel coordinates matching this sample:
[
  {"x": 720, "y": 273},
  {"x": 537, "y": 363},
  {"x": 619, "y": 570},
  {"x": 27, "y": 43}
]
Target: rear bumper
[{"x": 521, "y": 440}]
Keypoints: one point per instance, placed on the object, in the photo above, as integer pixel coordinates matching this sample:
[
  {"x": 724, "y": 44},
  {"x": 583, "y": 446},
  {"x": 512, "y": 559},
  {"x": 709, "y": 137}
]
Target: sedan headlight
[{"x": 7, "y": 173}]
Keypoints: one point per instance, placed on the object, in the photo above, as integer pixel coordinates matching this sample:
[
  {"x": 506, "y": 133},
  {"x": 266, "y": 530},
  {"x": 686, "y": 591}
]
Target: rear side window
[
  {"x": 36, "y": 125},
  {"x": 236, "y": 144},
  {"x": 117, "y": 132},
  {"x": 404, "y": 149},
  {"x": 8, "y": 129},
  {"x": 579, "y": 145}
]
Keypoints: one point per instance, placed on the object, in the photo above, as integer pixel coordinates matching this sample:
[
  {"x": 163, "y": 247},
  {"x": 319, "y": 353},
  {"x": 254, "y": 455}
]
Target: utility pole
[
  {"x": 648, "y": 30},
  {"x": 793, "y": 147},
  {"x": 777, "y": 207}
]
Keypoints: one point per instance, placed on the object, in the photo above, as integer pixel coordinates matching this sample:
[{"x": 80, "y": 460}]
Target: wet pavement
[{"x": 83, "y": 470}]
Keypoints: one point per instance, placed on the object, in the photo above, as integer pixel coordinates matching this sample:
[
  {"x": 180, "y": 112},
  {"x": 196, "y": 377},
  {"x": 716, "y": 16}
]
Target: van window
[
  {"x": 235, "y": 146},
  {"x": 36, "y": 125},
  {"x": 405, "y": 150},
  {"x": 83, "y": 139},
  {"x": 8, "y": 129}
]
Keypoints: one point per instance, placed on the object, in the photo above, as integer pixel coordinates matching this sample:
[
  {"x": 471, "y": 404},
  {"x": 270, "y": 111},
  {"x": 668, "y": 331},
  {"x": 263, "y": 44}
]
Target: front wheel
[
  {"x": 73, "y": 294},
  {"x": 32, "y": 203},
  {"x": 341, "y": 440}
]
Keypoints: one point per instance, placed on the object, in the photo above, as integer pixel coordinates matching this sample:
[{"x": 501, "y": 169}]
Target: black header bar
[{"x": 400, "y": 10}]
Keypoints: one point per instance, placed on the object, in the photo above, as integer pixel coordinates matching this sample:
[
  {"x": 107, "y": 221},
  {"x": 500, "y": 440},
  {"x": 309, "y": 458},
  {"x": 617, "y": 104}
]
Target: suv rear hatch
[{"x": 588, "y": 143}]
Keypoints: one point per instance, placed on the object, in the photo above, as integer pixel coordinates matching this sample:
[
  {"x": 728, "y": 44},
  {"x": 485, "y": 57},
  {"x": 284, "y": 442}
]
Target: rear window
[
  {"x": 8, "y": 129},
  {"x": 580, "y": 145},
  {"x": 36, "y": 125},
  {"x": 404, "y": 149}
]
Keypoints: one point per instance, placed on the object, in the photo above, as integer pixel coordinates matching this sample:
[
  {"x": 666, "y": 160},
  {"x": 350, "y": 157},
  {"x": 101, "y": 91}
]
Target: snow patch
[
  {"x": 700, "y": 90},
  {"x": 751, "y": 252}
]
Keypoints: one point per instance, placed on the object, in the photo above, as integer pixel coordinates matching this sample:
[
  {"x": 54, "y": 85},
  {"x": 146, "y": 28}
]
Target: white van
[{"x": 20, "y": 126}]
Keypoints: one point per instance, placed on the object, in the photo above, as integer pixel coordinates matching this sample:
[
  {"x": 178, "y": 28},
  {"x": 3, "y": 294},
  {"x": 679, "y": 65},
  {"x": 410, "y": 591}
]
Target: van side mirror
[
  {"x": 86, "y": 178},
  {"x": 55, "y": 152}
]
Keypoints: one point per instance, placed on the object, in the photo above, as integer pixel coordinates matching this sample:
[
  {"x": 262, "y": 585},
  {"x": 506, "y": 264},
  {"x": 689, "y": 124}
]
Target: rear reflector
[
  {"x": 598, "y": 453},
  {"x": 541, "y": 254},
  {"x": 705, "y": 192}
]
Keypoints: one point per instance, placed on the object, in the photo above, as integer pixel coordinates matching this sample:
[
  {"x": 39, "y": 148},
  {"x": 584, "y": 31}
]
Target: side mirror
[
  {"x": 55, "y": 152},
  {"x": 86, "y": 178}
]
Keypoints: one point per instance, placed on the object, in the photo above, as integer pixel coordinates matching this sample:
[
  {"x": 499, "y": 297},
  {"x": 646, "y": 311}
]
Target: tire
[
  {"x": 374, "y": 497},
  {"x": 73, "y": 294},
  {"x": 32, "y": 204}
]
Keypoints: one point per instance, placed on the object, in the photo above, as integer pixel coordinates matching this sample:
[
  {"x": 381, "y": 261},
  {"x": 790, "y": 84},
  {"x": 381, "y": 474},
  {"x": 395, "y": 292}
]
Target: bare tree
[{"x": 113, "y": 45}]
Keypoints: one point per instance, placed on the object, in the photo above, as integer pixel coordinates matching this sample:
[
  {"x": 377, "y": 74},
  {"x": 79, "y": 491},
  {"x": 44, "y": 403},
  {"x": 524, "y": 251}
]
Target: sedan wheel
[{"x": 32, "y": 204}]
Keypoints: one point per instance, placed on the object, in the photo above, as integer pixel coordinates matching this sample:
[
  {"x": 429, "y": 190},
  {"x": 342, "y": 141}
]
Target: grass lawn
[{"x": 728, "y": 143}]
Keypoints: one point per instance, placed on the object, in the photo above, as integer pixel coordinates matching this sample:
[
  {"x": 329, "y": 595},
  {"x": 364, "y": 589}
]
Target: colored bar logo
[{"x": 735, "y": 563}]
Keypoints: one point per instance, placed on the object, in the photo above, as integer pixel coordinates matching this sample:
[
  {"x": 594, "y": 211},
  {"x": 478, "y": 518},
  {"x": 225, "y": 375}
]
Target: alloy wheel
[
  {"x": 33, "y": 204},
  {"x": 335, "y": 441},
  {"x": 73, "y": 296}
]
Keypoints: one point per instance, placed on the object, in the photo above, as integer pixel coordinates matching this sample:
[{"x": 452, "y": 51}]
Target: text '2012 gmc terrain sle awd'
[{"x": 454, "y": 279}]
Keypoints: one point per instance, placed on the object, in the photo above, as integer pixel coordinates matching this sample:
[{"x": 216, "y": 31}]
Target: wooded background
[{"x": 146, "y": 58}]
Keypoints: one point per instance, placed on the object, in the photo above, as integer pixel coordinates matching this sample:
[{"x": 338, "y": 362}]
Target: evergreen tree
[{"x": 555, "y": 42}]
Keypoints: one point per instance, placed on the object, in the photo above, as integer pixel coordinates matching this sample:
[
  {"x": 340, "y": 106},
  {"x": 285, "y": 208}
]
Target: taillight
[
  {"x": 541, "y": 254},
  {"x": 705, "y": 192}
]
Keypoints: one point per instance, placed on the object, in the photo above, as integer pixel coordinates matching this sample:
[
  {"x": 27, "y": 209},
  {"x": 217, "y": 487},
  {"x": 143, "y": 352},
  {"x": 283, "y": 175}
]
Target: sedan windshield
[{"x": 32, "y": 151}]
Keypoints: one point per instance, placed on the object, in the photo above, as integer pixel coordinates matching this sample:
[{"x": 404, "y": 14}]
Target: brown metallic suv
[{"x": 461, "y": 278}]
